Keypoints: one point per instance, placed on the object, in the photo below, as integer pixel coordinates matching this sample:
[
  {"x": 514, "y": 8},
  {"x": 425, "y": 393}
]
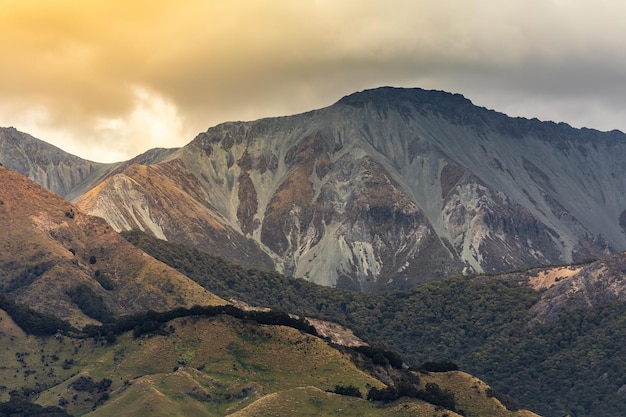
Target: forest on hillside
[{"x": 575, "y": 365}]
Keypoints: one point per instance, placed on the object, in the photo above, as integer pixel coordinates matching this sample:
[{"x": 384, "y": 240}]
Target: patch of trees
[
  {"x": 437, "y": 396},
  {"x": 100, "y": 388},
  {"x": 432, "y": 394},
  {"x": 153, "y": 322},
  {"x": 20, "y": 406},
  {"x": 380, "y": 356},
  {"x": 509, "y": 403},
  {"x": 350, "y": 391},
  {"x": 34, "y": 322},
  {"x": 104, "y": 280},
  {"x": 86, "y": 383},
  {"x": 90, "y": 303},
  {"x": 442, "y": 366}
]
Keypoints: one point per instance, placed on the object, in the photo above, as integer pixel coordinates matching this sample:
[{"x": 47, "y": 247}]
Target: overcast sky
[{"x": 109, "y": 79}]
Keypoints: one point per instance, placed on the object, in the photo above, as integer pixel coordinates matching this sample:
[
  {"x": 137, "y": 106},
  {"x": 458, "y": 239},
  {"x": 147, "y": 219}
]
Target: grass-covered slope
[
  {"x": 62, "y": 262},
  {"x": 573, "y": 364},
  {"x": 215, "y": 366}
]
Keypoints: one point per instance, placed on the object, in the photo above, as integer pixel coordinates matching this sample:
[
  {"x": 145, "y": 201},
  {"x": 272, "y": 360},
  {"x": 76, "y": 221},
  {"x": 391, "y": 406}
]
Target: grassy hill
[
  {"x": 573, "y": 364},
  {"x": 215, "y": 366}
]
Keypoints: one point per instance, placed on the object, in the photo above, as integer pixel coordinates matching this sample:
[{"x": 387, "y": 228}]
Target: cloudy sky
[{"x": 108, "y": 79}]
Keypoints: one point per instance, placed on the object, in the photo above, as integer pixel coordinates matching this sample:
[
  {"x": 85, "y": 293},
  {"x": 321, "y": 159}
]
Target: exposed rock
[
  {"x": 382, "y": 190},
  {"x": 595, "y": 284}
]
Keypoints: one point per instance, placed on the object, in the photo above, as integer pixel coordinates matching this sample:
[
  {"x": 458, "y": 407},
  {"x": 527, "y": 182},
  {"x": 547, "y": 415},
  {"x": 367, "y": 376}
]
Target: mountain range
[
  {"x": 384, "y": 189},
  {"x": 92, "y": 325}
]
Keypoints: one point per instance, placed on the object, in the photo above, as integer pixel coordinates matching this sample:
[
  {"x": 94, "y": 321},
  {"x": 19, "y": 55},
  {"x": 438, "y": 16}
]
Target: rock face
[
  {"x": 586, "y": 287},
  {"x": 64, "y": 174},
  {"x": 60, "y": 172},
  {"x": 382, "y": 190}
]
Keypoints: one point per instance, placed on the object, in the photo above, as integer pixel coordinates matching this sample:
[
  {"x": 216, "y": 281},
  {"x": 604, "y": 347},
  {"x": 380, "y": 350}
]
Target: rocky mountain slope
[
  {"x": 389, "y": 187},
  {"x": 60, "y": 261},
  {"x": 62, "y": 173},
  {"x": 583, "y": 287},
  {"x": 384, "y": 189}
]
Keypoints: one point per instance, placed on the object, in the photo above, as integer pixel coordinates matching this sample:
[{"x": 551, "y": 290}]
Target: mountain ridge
[{"x": 386, "y": 188}]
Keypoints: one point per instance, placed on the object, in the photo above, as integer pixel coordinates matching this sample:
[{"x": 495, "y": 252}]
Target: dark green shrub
[
  {"x": 104, "y": 281},
  {"x": 435, "y": 395},
  {"x": 510, "y": 403},
  {"x": 350, "y": 391},
  {"x": 90, "y": 303}
]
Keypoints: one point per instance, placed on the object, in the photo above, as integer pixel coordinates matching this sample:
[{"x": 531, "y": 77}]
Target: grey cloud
[{"x": 240, "y": 60}]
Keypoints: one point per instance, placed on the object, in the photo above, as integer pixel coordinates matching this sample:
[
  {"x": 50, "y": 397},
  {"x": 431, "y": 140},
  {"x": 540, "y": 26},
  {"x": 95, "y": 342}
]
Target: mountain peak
[{"x": 394, "y": 96}]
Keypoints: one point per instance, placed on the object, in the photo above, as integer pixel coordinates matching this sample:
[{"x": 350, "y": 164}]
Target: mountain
[
  {"x": 169, "y": 346},
  {"x": 60, "y": 261},
  {"x": 60, "y": 172},
  {"x": 384, "y": 189}
]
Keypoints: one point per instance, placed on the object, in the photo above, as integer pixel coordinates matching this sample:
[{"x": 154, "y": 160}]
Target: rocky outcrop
[{"x": 586, "y": 287}]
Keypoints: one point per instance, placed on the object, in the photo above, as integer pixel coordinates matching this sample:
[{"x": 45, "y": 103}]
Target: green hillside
[
  {"x": 207, "y": 362},
  {"x": 575, "y": 365}
]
